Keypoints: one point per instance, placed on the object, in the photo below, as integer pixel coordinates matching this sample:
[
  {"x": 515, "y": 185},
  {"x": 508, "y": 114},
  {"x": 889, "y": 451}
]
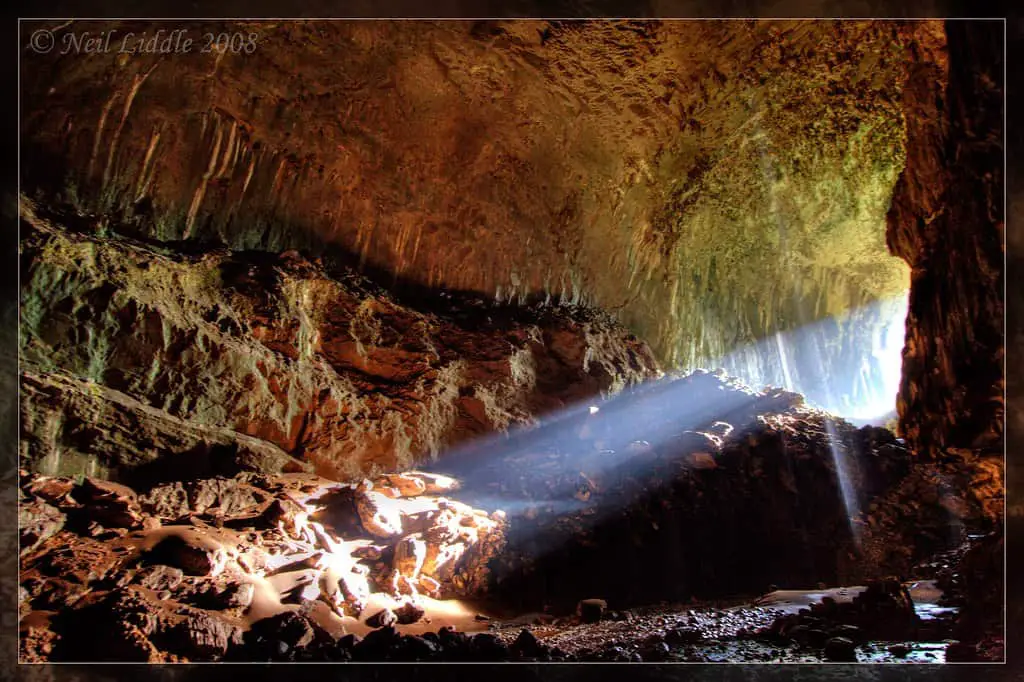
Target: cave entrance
[{"x": 849, "y": 364}]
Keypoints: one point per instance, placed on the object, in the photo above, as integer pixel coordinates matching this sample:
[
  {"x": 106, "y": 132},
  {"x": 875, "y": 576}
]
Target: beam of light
[
  {"x": 841, "y": 462},
  {"x": 569, "y": 455}
]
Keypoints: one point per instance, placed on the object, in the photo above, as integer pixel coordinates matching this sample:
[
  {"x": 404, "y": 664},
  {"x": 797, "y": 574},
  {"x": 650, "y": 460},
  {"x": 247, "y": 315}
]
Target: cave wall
[
  {"x": 139, "y": 364},
  {"x": 709, "y": 182},
  {"x": 947, "y": 222}
]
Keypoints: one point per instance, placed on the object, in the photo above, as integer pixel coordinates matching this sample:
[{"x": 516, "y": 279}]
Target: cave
[{"x": 511, "y": 340}]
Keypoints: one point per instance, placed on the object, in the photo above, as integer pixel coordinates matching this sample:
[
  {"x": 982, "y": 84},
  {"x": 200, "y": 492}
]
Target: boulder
[
  {"x": 409, "y": 613},
  {"x": 378, "y": 515},
  {"x": 410, "y": 554},
  {"x": 591, "y": 610},
  {"x": 159, "y": 577},
  {"x": 407, "y": 485},
  {"x": 382, "y": 619},
  {"x": 190, "y": 555},
  {"x": 840, "y": 650}
]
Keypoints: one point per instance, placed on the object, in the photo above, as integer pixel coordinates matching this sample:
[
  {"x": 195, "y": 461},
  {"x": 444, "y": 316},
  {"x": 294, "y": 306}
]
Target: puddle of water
[
  {"x": 918, "y": 652},
  {"x": 924, "y": 593}
]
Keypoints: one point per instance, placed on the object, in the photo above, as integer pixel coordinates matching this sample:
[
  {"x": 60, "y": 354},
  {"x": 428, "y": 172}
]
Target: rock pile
[
  {"x": 882, "y": 611},
  {"x": 252, "y": 566},
  {"x": 975, "y": 584}
]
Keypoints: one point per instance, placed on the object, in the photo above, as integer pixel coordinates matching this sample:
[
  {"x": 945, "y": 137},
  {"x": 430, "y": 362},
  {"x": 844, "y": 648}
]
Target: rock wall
[
  {"x": 710, "y": 183},
  {"x": 132, "y": 355},
  {"x": 947, "y": 217}
]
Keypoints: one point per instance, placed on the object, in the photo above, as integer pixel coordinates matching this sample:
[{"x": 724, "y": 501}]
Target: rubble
[{"x": 206, "y": 556}]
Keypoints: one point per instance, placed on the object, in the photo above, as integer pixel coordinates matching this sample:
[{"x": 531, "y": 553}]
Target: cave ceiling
[{"x": 710, "y": 182}]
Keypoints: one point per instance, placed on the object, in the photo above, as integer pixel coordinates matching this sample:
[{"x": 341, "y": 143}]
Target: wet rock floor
[{"x": 731, "y": 633}]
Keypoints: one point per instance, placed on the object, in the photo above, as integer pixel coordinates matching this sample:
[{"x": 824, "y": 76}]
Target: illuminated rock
[
  {"x": 408, "y": 486},
  {"x": 286, "y": 512},
  {"x": 429, "y": 586},
  {"x": 345, "y": 590},
  {"x": 436, "y": 484},
  {"x": 382, "y": 619},
  {"x": 378, "y": 515},
  {"x": 410, "y": 554}
]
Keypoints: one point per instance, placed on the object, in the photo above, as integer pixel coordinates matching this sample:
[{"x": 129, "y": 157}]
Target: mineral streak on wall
[{"x": 712, "y": 183}]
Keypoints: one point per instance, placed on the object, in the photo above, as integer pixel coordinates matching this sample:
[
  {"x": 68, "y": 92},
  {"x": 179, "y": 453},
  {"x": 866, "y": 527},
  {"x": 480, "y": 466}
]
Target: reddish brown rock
[
  {"x": 429, "y": 586},
  {"x": 110, "y": 504},
  {"x": 201, "y": 637},
  {"x": 159, "y": 577},
  {"x": 410, "y": 554},
  {"x": 168, "y": 501},
  {"x": 378, "y": 517},
  {"x": 407, "y": 486},
  {"x": 948, "y": 218},
  {"x": 226, "y": 497},
  {"x": 382, "y": 619},
  {"x": 409, "y": 613},
  {"x": 254, "y": 406},
  {"x": 55, "y": 490},
  {"x": 189, "y": 553},
  {"x": 282, "y": 510},
  {"x": 36, "y": 638},
  {"x": 434, "y": 483}
]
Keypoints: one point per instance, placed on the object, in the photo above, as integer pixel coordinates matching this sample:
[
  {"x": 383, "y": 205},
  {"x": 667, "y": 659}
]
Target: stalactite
[
  {"x": 229, "y": 149},
  {"x": 137, "y": 82},
  {"x": 99, "y": 131},
  {"x": 144, "y": 176},
  {"x": 197, "y": 198},
  {"x": 248, "y": 176}
]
